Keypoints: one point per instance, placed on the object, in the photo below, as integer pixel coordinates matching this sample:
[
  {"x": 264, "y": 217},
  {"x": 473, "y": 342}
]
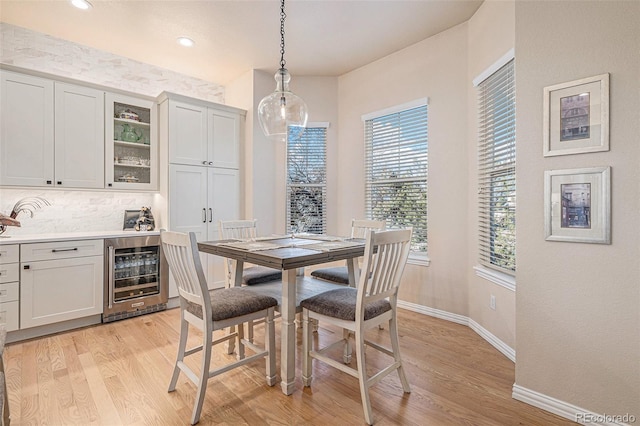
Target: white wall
[
  {"x": 435, "y": 68},
  {"x": 578, "y": 305}
]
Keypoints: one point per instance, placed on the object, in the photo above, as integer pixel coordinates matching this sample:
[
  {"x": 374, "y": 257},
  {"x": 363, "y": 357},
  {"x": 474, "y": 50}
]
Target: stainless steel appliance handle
[{"x": 111, "y": 281}]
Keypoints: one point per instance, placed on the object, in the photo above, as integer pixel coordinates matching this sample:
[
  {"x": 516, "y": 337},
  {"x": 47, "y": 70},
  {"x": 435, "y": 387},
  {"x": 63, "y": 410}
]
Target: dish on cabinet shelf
[
  {"x": 128, "y": 178},
  {"x": 127, "y": 114}
]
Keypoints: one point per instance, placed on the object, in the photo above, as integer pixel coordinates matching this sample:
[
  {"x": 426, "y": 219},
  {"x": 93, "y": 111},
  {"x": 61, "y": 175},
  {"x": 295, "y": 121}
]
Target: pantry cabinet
[{"x": 51, "y": 133}]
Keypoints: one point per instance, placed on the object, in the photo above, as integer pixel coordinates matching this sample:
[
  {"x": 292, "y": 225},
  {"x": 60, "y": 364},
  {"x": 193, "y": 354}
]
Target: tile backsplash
[
  {"x": 72, "y": 211},
  {"x": 40, "y": 52}
]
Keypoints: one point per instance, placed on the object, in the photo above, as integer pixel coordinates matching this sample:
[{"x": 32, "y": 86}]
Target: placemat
[{"x": 332, "y": 245}]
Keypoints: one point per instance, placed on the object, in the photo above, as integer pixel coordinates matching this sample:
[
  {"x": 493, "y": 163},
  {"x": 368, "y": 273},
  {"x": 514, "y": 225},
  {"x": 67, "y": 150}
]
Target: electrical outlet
[{"x": 492, "y": 302}]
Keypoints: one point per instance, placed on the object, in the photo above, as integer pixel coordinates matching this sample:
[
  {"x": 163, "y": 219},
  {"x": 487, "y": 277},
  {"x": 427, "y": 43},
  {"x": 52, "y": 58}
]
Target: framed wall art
[
  {"x": 577, "y": 205},
  {"x": 130, "y": 218},
  {"x": 576, "y": 116}
]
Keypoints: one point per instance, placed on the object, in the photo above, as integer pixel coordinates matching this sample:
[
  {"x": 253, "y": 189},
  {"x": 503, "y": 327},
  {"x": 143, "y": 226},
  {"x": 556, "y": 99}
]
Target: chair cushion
[
  {"x": 260, "y": 274},
  {"x": 233, "y": 302},
  {"x": 338, "y": 274},
  {"x": 341, "y": 303}
]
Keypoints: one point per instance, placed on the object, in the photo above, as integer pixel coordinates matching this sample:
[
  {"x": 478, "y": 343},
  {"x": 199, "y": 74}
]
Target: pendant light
[{"x": 282, "y": 109}]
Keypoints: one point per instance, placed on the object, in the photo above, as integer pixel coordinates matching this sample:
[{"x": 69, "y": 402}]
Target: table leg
[
  {"x": 288, "y": 330},
  {"x": 236, "y": 281},
  {"x": 354, "y": 271}
]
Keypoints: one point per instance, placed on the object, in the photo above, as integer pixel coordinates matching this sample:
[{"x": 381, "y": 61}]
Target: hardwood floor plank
[{"x": 118, "y": 374}]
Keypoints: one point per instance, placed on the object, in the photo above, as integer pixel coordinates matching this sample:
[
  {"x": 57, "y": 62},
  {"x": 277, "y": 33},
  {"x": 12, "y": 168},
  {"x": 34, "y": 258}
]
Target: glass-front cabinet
[{"x": 131, "y": 154}]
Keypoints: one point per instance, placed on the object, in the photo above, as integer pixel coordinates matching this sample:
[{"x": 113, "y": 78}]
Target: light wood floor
[{"x": 118, "y": 373}]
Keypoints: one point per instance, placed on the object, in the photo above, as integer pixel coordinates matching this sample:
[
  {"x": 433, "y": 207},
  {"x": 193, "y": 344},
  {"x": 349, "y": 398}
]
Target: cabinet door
[
  {"x": 60, "y": 290},
  {"x": 224, "y": 139},
  {"x": 26, "y": 130},
  {"x": 224, "y": 204},
  {"x": 188, "y": 134},
  {"x": 131, "y": 143},
  {"x": 79, "y": 136}
]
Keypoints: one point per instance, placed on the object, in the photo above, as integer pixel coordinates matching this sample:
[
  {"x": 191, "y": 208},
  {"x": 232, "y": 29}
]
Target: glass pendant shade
[{"x": 282, "y": 109}]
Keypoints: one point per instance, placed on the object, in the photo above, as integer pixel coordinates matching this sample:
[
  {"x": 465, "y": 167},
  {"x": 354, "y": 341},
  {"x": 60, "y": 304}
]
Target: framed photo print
[
  {"x": 577, "y": 205},
  {"x": 130, "y": 218},
  {"x": 576, "y": 116}
]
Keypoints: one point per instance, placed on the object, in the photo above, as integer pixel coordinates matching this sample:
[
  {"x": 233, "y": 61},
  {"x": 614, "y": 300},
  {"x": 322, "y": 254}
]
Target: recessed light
[
  {"x": 186, "y": 41},
  {"x": 81, "y": 4}
]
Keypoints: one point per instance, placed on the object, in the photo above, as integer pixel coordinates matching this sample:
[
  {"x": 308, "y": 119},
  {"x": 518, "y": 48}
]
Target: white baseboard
[
  {"x": 504, "y": 349},
  {"x": 569, "y": 411}
]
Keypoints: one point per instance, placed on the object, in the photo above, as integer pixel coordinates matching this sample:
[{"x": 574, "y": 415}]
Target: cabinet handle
[
  {"x": 210, "y": 214},
  {"x": 204, "y": 162},
  {"x": 211, "y": 163},
  {"x": 26, "y": 267},
  {"x": 49, "y": 182},
  {"x": 60, "y": 250},
  {"x": 204, "y": 215},
  {"x": 110, "y": 185},
  {"x": 59, "y": 182}
]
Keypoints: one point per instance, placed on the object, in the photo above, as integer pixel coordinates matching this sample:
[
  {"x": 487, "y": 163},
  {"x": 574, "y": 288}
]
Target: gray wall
[{"x": 578, "y": 305}]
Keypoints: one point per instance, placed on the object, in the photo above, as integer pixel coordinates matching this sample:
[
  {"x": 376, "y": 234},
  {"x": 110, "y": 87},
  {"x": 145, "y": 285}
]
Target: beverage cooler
[{"x": 136, "y": 277}]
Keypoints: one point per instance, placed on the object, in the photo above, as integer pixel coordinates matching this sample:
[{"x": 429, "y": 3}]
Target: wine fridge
[{"x": 136, "y": 277}]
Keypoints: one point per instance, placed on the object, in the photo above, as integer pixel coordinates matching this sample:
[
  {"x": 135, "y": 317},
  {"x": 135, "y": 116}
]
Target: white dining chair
[
  {"x": 213, "y": 310},
  {"x": 340, "y": 274},
  {"x": 372, "y": 303}
]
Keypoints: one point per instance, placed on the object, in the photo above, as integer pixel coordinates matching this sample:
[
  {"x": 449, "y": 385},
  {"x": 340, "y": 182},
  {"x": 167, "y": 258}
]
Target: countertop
[{"x": 65, "y": 236}]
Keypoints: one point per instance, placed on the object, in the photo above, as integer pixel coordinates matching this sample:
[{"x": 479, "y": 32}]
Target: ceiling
[{"x": 323, "y": 38}]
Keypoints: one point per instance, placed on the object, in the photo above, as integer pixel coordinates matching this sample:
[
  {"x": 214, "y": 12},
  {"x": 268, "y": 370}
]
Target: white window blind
[
  {"x": 497, "y": 170},
  {"x": 396, "y": 171},
  {"x": 306, "y": 181}
]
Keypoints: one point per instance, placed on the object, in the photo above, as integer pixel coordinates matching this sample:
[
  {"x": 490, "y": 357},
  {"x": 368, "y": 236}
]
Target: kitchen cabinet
[
  {"x": 200, "y": 197},
  {"x": 60, "y": 281},
  {"x": 203, "y": 134},
  {"x": 9, "y": 286},
  {"x": 131, "y": 143},
  {"x": 52, "y": 133}
]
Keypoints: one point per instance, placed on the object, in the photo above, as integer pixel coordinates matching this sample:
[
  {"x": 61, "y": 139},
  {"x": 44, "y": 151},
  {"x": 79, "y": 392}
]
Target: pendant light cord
[{"x": 282, "y": 17}]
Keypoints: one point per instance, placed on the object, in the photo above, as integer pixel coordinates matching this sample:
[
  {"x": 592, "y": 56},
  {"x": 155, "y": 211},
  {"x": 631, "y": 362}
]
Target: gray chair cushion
[
  {"x": 341, "y": 303},
  {"x": 233, "y": 302},
  {"x": 260, "y": 274},
  {"x": 338, "y": 274}
]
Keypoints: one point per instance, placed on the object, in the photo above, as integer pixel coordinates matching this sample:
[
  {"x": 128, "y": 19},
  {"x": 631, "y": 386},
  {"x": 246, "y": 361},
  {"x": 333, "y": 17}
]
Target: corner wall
[{"x": 578, "y": 305}]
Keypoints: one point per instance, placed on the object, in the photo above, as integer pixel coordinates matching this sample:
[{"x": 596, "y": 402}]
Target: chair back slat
[
  {"x": 359, "y": 227},
  {"x": 236, "y": 230},
  {"x": 181, "y": 252},
  {"x": 385, "y": 257}
]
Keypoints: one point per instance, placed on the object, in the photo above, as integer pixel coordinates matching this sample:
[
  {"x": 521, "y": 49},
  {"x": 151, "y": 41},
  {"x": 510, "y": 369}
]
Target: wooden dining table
[{"x": 288, "y": 253}]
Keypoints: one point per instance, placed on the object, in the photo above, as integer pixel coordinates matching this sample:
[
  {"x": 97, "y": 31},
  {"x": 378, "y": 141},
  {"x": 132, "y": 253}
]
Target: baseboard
[
  {"x": 569, "y": 411},
  {"x": 502, "y": 347}
]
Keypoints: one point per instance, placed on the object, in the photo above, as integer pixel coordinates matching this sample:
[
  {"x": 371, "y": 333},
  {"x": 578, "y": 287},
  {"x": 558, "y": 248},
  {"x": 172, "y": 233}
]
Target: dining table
[{"x": 289, "y": 253}]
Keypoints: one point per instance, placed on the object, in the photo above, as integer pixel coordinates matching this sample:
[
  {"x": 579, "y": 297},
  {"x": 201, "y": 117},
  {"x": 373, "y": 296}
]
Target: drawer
[
  {"x": 9, "y": 292},
  {"x": 9, "y": 254},
  {"x": 60, "y": 250},
  {"x": 9, "y": 272},
  {"x": 9, "y": 315}
]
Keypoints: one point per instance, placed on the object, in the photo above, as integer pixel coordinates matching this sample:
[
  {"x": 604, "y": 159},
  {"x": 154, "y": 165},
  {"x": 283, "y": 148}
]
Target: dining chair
[
  {"x": 213, "y": 310},
  {"x": 253, "y": 274},
  {"x": 372, "y": 303},
  {"x": 340, "y": 274}
]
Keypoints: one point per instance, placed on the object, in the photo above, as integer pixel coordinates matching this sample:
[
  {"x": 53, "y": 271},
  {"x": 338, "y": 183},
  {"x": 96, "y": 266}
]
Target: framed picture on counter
[
  {"x": 130, "y": 218},
  {"x": 576, "y": 116},
  {"x": 577, "y": 205}
]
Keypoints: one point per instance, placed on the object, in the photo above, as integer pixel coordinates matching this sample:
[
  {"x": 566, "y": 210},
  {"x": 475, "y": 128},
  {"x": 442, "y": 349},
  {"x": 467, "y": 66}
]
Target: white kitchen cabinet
[
  {"x": 9, "y": 286},
  {"x": 202, "y": 133},
  {"x": 199, "y": 197},
  {"x": 60, "y": 281},
  {"x": 52, "y": 133},
  {"x": 131, "y": 143}
]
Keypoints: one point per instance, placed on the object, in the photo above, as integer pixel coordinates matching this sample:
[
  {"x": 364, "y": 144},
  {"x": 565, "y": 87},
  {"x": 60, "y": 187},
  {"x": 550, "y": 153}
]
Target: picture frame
[
  {"x": 130, "y": 218},
  {"x": 577, "y": 205},
  {"x": 576, "y": 116}
]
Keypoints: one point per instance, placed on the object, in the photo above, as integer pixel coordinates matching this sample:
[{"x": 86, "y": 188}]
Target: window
[
  {"x": 306, "y": 179},
  {"x": 396, "y": 169},
  {"x": 497, "y": 170}
]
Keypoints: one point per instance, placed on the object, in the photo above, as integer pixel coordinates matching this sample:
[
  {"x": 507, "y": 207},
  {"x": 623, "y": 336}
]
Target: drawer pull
[
  {"x": 26, "y": 267},
  {"x": 60, "y": 250}
]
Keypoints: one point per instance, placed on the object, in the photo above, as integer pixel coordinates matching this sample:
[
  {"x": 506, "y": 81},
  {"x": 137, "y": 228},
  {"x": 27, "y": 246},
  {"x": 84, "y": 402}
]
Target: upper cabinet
[
  {"x": 131, "y": 144},
  {"x": 51, "y": 133},
  {"x": 202, "y": 134}
]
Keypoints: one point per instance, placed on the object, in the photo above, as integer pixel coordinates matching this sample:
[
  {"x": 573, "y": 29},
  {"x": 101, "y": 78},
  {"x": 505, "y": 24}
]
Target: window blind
[
  {"x": 306, "y": 180},
  {"x": 497, "y": 170},
  {"x": 396, "y": 171}
]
